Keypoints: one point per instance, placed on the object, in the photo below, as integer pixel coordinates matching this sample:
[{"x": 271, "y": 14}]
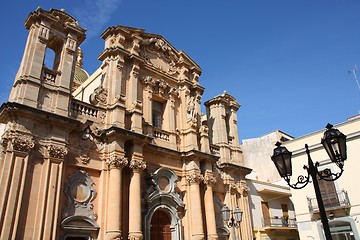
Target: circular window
[
  {"x": 80, "y": 192},
  {"x": 163, "y": 183}
]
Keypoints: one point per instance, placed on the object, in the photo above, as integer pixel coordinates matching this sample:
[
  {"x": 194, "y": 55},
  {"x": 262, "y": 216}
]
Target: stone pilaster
[
  {"x": 243, "y": 202},
  {"x": 137, "y": 164},
  {"x": 194, "y": 178},
  {"x": 209, "y": 181},
  {"x": 12, "y": 180},
  {"x": 114, "y": 208}
]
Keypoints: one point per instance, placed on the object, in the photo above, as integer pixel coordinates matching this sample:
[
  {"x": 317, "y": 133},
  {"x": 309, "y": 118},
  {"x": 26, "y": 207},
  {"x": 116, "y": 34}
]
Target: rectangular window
[{"x": 157, "y": 114}]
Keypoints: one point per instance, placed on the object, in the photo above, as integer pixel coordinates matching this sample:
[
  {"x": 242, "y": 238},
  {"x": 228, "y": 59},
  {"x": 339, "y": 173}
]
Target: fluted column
[
  {"x": 194, "y": 178},
  {"x": 114, "y": 207},
  {"x": 137, "y": 165},
  {"x": 209, "y": 181}
]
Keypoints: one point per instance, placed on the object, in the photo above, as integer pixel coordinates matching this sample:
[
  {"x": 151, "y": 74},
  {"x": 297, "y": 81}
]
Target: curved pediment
[{"x": 153, "y": 49}]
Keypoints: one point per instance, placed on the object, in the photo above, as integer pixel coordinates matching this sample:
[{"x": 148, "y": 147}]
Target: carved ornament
[
  {"x": 209, "y": 178},
  {"x": 194, "y": 178},
  {"x": 99, "y": 96},
  {"x": 57, "y": 151},
  {"x": 80, "y": 193},
  {"x": 159, "y": 87},
  {"x": 21, "y": 143},
  {"x": 160, "y": 55},
  {"x": 116, "y": 162},
  {"x": 137, "y": 165}
]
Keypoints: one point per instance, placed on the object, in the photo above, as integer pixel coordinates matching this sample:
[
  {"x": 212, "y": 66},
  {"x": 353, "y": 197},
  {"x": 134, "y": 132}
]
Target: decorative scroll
[{"x": 159, "y": 87}]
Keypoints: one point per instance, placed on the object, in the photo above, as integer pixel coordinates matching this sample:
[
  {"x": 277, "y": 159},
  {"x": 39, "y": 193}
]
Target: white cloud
[{"x": 93, "y": 15}]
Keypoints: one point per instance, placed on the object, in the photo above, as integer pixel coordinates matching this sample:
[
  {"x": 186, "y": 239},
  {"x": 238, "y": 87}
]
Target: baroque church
[{"x": 123, "y": 153}]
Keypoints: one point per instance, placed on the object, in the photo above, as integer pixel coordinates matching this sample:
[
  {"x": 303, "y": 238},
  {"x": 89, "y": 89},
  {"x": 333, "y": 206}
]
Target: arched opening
[{"x": 160, "y": 226}]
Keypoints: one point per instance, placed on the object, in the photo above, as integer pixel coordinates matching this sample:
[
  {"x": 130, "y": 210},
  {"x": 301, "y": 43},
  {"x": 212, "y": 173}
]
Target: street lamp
[
  {"x": 334, "y": 143},
  {"x": 236, "y": 217}
]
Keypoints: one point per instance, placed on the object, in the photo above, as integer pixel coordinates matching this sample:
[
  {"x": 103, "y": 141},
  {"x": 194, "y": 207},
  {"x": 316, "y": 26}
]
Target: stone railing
[
  {"x": 215, "y": 150},
  {"x": 49, "y": 75},
  {"x": 161, "y": 134},
  {"x": 84, "y": 110}
]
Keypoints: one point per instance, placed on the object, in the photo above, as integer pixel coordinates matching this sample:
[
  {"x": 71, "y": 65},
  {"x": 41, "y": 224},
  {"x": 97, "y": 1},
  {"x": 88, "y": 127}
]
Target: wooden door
[
  {"x": 160, "y": 226},
  {"x": 328, "y": 193}
]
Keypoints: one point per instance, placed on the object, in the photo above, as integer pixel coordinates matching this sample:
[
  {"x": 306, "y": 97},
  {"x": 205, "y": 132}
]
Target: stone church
[{"x": 122, "y": 153}]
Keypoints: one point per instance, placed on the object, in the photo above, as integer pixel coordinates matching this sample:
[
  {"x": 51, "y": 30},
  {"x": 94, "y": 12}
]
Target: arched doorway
[{"x": 160, "y": 226}]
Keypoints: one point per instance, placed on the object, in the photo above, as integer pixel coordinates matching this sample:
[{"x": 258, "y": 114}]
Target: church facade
[{"x": 124, "y": 153}]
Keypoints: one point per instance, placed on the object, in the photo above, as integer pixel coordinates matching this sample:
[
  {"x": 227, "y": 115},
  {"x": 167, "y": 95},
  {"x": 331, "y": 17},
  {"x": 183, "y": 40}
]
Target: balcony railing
[
  {"x": 331, "y": 201},
  {"x": 282, "y": 222}
]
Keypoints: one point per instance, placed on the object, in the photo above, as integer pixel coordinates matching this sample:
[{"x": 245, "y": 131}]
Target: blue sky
[{"x": 286, "y": 61}]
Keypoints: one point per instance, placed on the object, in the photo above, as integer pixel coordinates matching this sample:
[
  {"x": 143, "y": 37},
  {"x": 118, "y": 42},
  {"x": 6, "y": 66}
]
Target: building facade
[
  {"x": 272, "y": 211},
  {"x": 341, "y": 198},
  {"x": 124, "y": 153}
]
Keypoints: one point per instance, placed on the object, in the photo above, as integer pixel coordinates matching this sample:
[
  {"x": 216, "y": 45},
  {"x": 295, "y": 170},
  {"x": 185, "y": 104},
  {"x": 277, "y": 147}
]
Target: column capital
[
  {"x": 135, "y": 236},
  {"x": 137, "y": 164},
  {"x": 243, "y": 188},
  {"x": 116, "y": 162},
  {"x": 209, "y": 178},
  {"x": 19, "y": 142},
  {"x": 56, "y": 151},
  {"x": 194, "y": 177}
]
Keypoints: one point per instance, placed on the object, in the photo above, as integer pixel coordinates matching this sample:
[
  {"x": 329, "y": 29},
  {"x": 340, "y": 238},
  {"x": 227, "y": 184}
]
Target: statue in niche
[{"x": 191, "y": 108}]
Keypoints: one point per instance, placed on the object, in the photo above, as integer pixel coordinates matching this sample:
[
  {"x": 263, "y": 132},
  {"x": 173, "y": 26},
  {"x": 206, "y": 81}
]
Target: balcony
[
  {"x": 279, "y": 223},
  {"x": 336, "y": 203}
]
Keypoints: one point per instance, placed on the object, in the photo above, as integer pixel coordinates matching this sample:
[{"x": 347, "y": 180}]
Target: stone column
[
  {"x": 114, "y": 206},
  {"x": 194, "y": 178},
  {"x": 137, "y": 165},
  {"x": 12, "y": 181},
  {"x": 209, "y": 181}
]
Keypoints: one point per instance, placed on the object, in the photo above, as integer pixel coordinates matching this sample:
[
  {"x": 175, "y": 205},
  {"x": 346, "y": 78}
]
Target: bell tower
[{"x": 45, "y": 76}]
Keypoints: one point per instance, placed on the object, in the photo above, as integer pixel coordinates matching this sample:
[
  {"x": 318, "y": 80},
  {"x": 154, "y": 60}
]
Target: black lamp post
[
  {"x": 334, "y": 143},
  {"x": 236, "y": 217}
]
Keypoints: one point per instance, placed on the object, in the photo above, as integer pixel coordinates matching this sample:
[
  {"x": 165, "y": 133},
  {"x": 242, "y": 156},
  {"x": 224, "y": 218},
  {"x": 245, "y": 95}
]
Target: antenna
[{"x": 354, "y": 71}]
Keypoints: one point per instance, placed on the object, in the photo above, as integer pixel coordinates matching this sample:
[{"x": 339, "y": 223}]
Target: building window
[{"x": 157, "y": 114}]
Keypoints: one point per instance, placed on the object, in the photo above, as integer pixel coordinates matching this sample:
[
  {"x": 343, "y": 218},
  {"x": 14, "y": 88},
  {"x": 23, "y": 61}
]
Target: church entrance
[{"x": 160, "y": 226}]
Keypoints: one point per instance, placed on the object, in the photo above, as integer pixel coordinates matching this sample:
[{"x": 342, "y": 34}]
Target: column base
[{"x": 113, "y": 235}]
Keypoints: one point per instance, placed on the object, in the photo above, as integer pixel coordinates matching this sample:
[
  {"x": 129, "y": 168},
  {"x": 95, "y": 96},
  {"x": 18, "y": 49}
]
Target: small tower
[
  {"x": 223, "y": 131},
  {"x": 45, "y": 76}
]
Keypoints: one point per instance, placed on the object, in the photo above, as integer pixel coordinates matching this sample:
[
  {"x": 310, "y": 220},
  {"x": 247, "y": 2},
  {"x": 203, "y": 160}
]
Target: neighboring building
[
  {"x": 272, "y": 209},
  {"x": 124, "y": 153},
  {"x": 341, "y": 197}
]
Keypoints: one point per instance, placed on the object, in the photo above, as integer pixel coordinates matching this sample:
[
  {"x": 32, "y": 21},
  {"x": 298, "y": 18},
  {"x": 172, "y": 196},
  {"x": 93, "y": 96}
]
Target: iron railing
[
  {"x": 279, "y": 222},
  {"x": 331, "y": 201}
]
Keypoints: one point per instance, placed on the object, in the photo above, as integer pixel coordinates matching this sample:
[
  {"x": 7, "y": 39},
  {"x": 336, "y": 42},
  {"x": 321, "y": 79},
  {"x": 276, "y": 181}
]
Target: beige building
[
  {"x": 272, "y": 209},
  {"x": 341, "y": 197},
  {"x": 124, "y": 153}
]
